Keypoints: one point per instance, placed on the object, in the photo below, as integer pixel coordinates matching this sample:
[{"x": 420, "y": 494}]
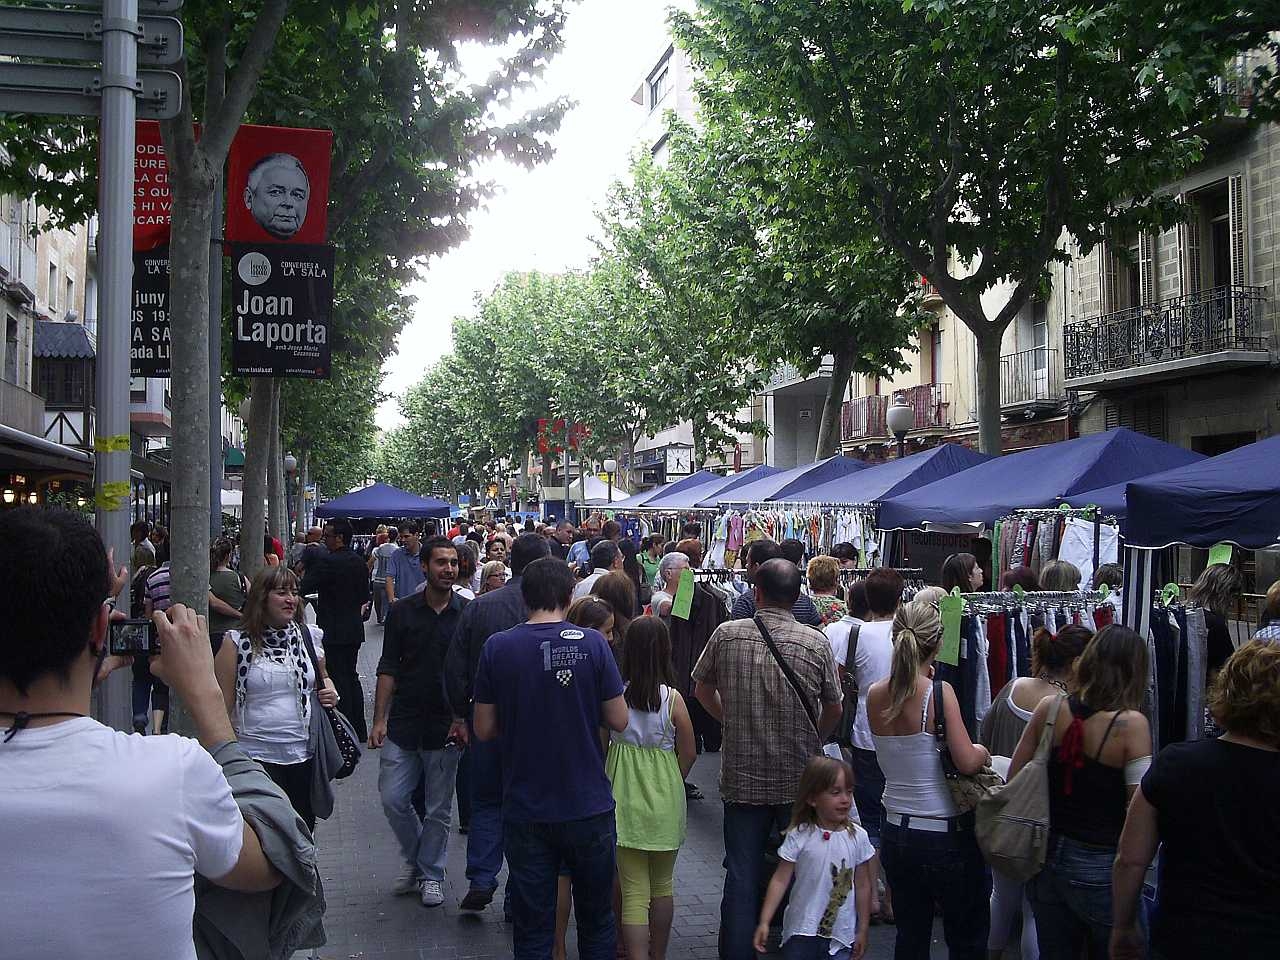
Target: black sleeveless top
[{"x": 1087, "y": 798}]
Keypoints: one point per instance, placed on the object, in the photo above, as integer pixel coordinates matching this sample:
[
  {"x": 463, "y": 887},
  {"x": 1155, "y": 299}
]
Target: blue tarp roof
[
  {"x": 382, "y": 500},
  {"x": 1032, "y": 478},
  {"x": 1230, "y": 498},
  {"x": 893, "y": 477},
  {"x": 1111, "y": 501},
  {"x": 786, "y": 482},
  {"x": 687, "y": 499},
  {"x": 675, "y": 486}
]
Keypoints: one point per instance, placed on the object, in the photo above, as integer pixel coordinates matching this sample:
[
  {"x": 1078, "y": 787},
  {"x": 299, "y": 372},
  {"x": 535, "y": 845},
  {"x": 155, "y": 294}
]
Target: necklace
[{"x": 21, "y": 719}]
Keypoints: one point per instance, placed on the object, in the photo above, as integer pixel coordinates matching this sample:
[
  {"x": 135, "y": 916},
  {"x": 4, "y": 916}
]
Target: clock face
[{"x": 678, "y": 461}]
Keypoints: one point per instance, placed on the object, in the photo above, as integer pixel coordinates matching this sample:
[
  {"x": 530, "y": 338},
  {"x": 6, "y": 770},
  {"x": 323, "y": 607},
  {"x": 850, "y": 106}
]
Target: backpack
[
  {"x": 138, "y": 591},
  {"x": 1012, "y": 827}
]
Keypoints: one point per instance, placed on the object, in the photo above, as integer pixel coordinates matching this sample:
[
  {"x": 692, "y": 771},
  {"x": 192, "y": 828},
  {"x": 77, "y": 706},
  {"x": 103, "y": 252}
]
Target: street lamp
[
  {"x": 611, "y": 467},
  {"x": 244, "y": 410},
  {"x": 900, "y": 419},
  {"x": 290, "y": 463}
]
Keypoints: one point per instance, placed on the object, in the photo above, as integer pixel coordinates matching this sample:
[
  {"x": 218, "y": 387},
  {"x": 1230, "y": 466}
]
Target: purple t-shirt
[{"x": 548, "y": 682}]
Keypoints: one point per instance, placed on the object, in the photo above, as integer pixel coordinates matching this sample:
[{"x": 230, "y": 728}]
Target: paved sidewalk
[{"x": 359, "y": 861}]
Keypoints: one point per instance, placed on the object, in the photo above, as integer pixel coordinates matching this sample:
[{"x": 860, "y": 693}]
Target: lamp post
[
  {"x": 291, "y": 471},
  {"x": 611, "y": 467},
  {"x": 900, "y": 418}
]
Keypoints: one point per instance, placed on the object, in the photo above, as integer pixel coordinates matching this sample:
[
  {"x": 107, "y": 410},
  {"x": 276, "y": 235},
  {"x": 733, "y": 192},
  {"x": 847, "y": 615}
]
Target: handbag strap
[
  {"x": 321, "y": 676},
  {"x": 851, "y": 651},
  {"x": 1046, "y": 732},
  {"x": 787, "y": 672}
]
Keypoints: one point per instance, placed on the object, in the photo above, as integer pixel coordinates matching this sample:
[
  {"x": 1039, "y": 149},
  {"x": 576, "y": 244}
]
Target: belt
[{"x": 908, "y": 821}]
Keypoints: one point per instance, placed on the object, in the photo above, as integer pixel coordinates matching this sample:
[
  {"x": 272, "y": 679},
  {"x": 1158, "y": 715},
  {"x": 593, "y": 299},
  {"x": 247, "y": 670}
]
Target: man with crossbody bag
[{"x": 772, "y": 683}]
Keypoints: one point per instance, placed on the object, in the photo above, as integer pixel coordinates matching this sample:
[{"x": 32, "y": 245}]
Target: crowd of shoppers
[{"x": 564, "y": 709}]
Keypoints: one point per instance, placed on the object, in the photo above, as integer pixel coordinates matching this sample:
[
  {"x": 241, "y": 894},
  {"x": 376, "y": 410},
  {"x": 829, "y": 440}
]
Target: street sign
[
  {"x": 144, "y": 6},
  {"x": 77, "y": 35},
  {"x": 48, "y": 88}
]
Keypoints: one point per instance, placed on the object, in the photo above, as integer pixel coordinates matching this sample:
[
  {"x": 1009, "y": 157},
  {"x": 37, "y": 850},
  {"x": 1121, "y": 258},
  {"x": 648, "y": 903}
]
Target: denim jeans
[
  {"x": 1071, "y": 898},
  {"x": 485, "y": 835},
  {"x": 812, "y": 948},
  {"x": 747, "y": 831},
  {"x": 535, "y": 852},
  {"x": 925, "y": 867},
  {"x": 422, "y": 841},
  {"x": 868, "y": 792}
]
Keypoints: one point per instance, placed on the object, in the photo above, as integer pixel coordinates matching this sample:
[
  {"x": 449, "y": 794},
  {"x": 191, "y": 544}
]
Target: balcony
[
  {"x": 863, "y": 418},
  {"x": 932, "y": 404},
  {"x": 1030, "y": 381},
  {"x": 1215, "y": 329},
  {"x": 931, "y": 297},
  {"x": 21, "y": 409}
]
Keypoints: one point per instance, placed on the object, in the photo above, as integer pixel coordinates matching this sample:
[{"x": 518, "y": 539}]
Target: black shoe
[
  {"x": 464, "y": 827},
  {"x": 691, "y": 791},
  {"x": 476, "y": 899}
]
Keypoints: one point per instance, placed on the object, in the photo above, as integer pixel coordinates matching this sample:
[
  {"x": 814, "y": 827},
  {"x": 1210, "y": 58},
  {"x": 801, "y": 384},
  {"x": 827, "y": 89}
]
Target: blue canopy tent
[
  {"x": 1111, "y": 500},
  {"x": 787, "y": 482},
  {"x": 893, "y": 477},
  {"x": 1231, "y": 498},
  {"x": 383, "y": 501},
  {"x": 637, "y": 500},
  {"x": 687, "y": 499},
  {"x": 1033, "y": 478}
]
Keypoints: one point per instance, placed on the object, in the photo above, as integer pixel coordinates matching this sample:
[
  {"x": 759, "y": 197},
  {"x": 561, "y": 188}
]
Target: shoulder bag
[
  {"x": 966, "y": 788},
  {"x": 788, "y": 673},
  {"x": 1013, "y": 820},
  {"x": 849, "y": 688},
  {"x": 337, "y": 746}
]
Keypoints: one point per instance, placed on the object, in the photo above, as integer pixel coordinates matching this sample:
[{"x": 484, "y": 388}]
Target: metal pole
[
  {"x": 115, "y": 250},
  {"x": 215, "y": 365}
]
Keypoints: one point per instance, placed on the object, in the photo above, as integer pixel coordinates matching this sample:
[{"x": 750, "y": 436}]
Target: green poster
[
  {"x": 683, "y": 601},
  {"x": 952, "y": 609},
  {"x": 1220, "y": 553}
]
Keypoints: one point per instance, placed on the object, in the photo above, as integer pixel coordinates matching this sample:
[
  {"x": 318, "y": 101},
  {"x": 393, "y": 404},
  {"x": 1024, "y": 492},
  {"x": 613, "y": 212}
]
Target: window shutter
[
  {"x": 1144, "y": 415},
  {"x": 1239, "y": 249},
  {"x": 1107, "y": 295},
  {"x": 1147, "y": 268},
  {"x": 1189, "y": 253}
]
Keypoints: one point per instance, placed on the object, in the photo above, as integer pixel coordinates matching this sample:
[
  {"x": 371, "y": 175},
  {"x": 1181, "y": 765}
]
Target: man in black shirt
[
  {"x": 341, "y": 580},
  {"x": 413, "y": 724}
]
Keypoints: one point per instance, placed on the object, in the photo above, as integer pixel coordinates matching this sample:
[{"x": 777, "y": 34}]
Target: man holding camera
[{"x": 103, "y": 833}]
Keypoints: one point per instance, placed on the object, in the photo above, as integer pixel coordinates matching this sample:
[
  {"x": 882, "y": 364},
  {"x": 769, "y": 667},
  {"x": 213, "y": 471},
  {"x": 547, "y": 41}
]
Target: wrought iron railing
[
  {"x": 932, "y": 404},
  {"x": 1030, "y": 376},
  {"x": 1221, "y": 318},
  {"x": 863, "y": 418}
]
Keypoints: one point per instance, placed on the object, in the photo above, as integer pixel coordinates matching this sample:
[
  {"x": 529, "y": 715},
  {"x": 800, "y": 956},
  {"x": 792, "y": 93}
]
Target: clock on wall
[{"x": 678, "y": 460}]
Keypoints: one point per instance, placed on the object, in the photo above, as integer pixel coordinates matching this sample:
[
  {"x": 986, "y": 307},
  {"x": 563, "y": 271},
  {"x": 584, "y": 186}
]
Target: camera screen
[{"x": 132, "y": 637}]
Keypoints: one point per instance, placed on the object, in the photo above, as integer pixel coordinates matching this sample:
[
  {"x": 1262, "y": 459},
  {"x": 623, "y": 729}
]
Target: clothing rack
[{"x": 1091, "y": 513}]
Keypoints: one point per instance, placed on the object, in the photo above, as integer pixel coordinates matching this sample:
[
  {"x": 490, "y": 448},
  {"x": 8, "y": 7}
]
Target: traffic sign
[
  {"x": 77, "y": 35},
  {"x": 144, "y": 6},
  {"x": 47, "y": 88}
]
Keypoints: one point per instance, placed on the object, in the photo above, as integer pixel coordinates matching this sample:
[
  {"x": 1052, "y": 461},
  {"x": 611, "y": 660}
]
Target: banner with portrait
[{"x": 278, "y": 185}]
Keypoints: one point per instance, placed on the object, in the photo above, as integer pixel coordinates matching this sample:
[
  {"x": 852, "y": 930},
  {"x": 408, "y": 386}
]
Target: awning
[
  {"x": 795, "y": 481},
  {"x": 893, "y": 477},
  {"x": 233, "y": 457}
]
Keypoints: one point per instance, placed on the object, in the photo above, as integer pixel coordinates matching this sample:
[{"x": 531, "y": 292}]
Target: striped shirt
[{"x": 157, "y": 590}]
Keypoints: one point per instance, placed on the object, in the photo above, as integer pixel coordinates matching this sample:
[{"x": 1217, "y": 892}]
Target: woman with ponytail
[{"x": 927, "y": 846}]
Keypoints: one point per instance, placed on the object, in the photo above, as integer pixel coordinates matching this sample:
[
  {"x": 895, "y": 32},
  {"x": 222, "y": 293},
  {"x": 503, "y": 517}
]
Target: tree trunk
[
  {"x": 829, "y": 426},
  {"x": 256, "y": 452},
  {"x": 189, "y": 382},
  {"x": 988, "y": 340},
  {"x": 699, "y": 453},
  {"x": 300, "y": 503},
  {"x": 276, "y": 521}
]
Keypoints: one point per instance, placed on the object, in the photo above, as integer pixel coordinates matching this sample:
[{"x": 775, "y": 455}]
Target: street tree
[{"x": 981, "y": 132}]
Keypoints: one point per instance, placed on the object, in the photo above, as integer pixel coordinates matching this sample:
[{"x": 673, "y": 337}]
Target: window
[
  {"x": 11, "y": 350},
  {"x": 137, "y": 389},
  {"x": 1141, "y": 415},
  {"x": 53, "y": 287},
  {"x": 935, "y": 355},
  {"x": 69, "y": 302},
  {"x": 1212, "y": 242},
  {"x": 660, "y": 85},
  {"x": 64, "y": 383}
]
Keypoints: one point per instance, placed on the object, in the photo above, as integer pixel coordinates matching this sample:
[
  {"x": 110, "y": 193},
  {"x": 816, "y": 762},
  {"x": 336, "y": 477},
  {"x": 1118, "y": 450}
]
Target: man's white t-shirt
[
  {"x": 824, "y": 877},
  {"x": 101, "y": 834},
  {"x": 872, "y": 663}
]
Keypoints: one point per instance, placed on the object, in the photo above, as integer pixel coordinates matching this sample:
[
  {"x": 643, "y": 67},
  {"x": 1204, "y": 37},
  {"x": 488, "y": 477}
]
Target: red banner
[
  {"x": 278, "y": 185},
  {"x": 152, "y": 200}
]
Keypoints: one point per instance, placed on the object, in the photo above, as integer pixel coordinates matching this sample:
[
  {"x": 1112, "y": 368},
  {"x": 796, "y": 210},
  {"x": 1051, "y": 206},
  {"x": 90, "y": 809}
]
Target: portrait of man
[{"x": 276, "y": 194}]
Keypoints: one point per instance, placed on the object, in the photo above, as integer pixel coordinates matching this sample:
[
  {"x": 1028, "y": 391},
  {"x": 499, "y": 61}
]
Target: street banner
[
  {"x": 149, "y": 323},
  {"x": 281, "y": 305},
  {"x": 152, "y": 199},
  {"x": 278, "y": 185}
]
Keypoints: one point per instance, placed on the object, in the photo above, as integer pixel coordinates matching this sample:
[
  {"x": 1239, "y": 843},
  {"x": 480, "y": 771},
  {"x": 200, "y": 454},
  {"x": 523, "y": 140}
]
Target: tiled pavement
[{"x": 359, "y": 860}]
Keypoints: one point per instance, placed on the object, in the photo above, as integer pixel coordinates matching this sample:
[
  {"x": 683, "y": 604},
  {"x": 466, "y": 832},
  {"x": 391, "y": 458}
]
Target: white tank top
[
  {"x": 913, "y": 780},
  {"x": 646, "y": 729}
]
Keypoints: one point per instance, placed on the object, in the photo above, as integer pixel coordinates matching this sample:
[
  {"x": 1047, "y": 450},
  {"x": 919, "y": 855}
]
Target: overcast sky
[{"x": 543, "y": 219}]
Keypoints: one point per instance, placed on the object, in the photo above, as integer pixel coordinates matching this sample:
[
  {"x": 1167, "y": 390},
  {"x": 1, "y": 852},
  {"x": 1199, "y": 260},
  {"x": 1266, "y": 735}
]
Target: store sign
[
  {"x": 149, "y": 323},
  {"x": 281, "y": 306}
]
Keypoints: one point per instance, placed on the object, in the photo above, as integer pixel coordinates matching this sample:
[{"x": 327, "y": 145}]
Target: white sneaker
[
  {"x": 432, "y": 895},
  {"x": 407, "y": 883}
]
